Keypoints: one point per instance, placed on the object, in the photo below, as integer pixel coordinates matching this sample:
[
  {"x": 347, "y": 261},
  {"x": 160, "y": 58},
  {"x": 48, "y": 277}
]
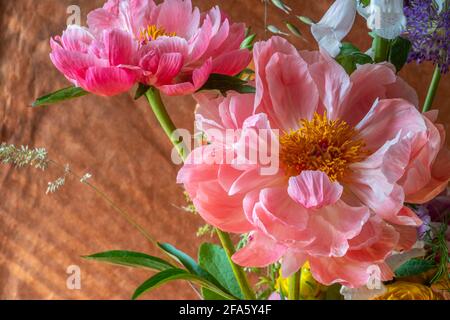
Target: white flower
[
  {"x": 335, "y": 25},
  {"x": 384, "y": 17}
]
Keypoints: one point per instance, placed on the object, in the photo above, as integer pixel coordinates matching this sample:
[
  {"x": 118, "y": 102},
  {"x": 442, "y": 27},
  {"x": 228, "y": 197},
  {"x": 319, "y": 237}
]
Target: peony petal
[
  {"x": 282, "y": 209},
  {"x": 347, "y": 272},
  {"x": 281, "y": 217},
  {"x": 169, "y": 67},
  {"x": 370, "y": 233},
  {"x": 408, "y": 236},
  {"x": 344, "y": 218},
  {"x": 428, "y": 149},
  {"x": 404, "y": 216},
  {"x": 231, "y": 63},
  {"x": 276, "y": 226},
  {"x": 439, "y": 180},
  {"x": 293, "y": 93},
  {"x": 292, "y": 262},
  {"x": 121, "y": 48},
  {"x": 130, "y": 16},
  {"x": 361, "y": 97},
  {"x": 108, "y": 81},
  {"x": 262, "y": 53},
  {"x": 76, "y": 38},
  {"x": 327, "y": 240},
  {"x": 260, "y": 252},
  {"x": 199, "y": 78},
  {"x": 237, "y": 181},
  {"x": 199, "y": 166},
  {"x": 332, "y": 82},
  {"x": 374, "y": 190},
  {"x": 72, "y": 64},
  {"x": 313, "y": 189},
  {"x": 179, "y": 17},
  {"x": 101, "y": 19},
  {"x": 386, "y": 119},
  {"x": 165, "y": 44},
  {"x": 198, "y": 44},
  {"x": 401, "y": 89},
  {"x": 219, "y": 209},
  {"x": 384, "y": 244}
]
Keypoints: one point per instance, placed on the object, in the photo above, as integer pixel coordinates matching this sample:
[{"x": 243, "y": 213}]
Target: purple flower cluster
[
  {"x": 437, "y": 210},
  {"x": 428, "y": 28}
]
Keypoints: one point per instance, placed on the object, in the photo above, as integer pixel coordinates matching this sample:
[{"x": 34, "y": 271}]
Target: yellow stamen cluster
[
  {"x": 152, "y": 33},
  {"x": 321, "y": 144}
]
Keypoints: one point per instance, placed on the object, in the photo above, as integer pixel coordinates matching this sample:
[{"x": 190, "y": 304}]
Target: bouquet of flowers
[{"x": 331, "y": 176}]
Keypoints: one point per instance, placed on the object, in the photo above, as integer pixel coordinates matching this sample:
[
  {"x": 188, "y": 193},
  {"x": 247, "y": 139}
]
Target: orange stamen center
[
  {"x": 152, "y": 33},
  {"x": 321, "y": 144}
]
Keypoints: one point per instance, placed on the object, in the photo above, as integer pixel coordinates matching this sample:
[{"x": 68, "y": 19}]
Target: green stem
[
  {"x": 381, "y": 49},
  {"x": 157, "y": 105},
  {"x": 432, "y": 89},
  {"x": 294, "y": 286},
  {"x": 239, "y": 273}
]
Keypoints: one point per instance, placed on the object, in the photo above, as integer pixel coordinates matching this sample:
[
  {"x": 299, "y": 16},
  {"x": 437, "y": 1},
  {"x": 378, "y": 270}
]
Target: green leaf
[
  {"x": 190, "y": 264},
  {"x": 275, "y": 30},
  {"x": 350, "y": 56},
  {"x": 282, "y": 6},
  {"x": 334, "y": 292},
  {"x": 294, "y": 30},
  {"x": 225, "y": 83},
  {"x": 348, "y": 48},
  {"x": 60, "y": 95},
  {"x": 214, "y": 259},
  {"x": 364, "y": 3},
  {"x": 306, "y": 20},
  {"x": 141, "y": 90},
  {"x": 176, "y": 274},
  {"x": 248, "y": 42},
  {"x": 398, "y": 55},
  {"x": 347, "y": 62},
  {"x": 414, "y": 267},
  {"x": 362, "y": 58},
  {"x": 210, "y": 295},
  {"x": 131, "y": 259}
]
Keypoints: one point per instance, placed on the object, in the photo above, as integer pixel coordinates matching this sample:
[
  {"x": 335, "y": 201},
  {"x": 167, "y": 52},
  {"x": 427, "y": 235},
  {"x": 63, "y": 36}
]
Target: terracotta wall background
[{"x": 119, "y": 142}]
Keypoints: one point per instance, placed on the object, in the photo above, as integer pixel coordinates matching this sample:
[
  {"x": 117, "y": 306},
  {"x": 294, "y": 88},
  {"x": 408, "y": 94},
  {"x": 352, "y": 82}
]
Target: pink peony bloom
[
  {"x": 170, "y": 46},
  {"x": 352, "y": 150}
]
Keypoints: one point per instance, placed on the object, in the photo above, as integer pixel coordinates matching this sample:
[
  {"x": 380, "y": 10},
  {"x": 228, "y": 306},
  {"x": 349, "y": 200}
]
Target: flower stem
[
  {"x": 294, "y": 286},
  {"x": 239, "y": 273},
  {"x": 432, "y": 89},
  {"x": 157, "y": 105},
  {"x": 381, "y": 49}
]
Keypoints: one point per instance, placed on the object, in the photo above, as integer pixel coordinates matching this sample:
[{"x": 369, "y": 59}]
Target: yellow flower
[
  {"x": 408, "y": 291},
  {"x": 310, "y": 289},
  {"x": 282, "y": 285},
  {"x": 442, "y": 287}
]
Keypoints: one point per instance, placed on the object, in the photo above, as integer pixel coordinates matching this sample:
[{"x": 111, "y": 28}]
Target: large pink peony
[
  {"x": 170, "y": 46},
  {"x": 352, "y": 150}
]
